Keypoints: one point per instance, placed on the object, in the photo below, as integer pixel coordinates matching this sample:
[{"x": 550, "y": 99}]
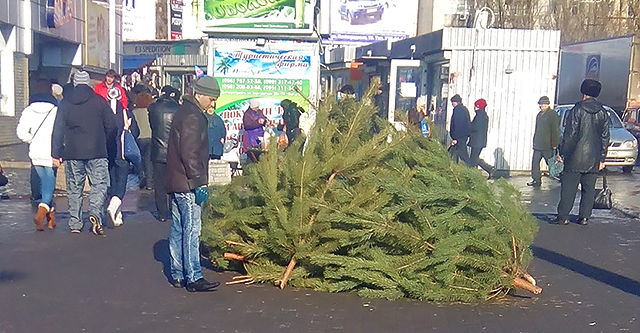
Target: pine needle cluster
[{"x": 383, "y": 213}]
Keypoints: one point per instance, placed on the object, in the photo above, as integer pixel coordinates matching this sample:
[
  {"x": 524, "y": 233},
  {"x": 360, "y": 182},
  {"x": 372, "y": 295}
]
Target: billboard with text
[{"x": 257, "y": 16}]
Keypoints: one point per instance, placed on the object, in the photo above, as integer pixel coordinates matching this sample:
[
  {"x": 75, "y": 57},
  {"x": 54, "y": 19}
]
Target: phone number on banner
[{"x": 236, "y": 84}]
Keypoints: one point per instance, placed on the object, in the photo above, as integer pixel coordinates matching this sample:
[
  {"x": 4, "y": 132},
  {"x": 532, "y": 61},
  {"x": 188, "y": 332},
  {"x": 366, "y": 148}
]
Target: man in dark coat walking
[
  {"x": 161, "y": 114},
  {"x": 84, "y": 125},
  {"x": 584, "y": 148},
  {"x": 187, "y": 180},
  {"x": 545, "y": 138},
  {"x": 460, "y": 129},
  {"x": 478, "y": 138}
]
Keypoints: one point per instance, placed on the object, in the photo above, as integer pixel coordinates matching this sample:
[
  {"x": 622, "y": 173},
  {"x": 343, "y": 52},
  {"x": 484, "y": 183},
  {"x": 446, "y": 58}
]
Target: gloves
[{"x": 202, "y": 194}]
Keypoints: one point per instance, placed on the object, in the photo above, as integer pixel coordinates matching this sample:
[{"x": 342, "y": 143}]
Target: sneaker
[
  {"x": 96, "y": 225},
  {"x": 112, "y": 211},
  {"x": 534, "y": 183},
  {"x": 202, "y": 285},
  {"x": 118, "y": 222}
]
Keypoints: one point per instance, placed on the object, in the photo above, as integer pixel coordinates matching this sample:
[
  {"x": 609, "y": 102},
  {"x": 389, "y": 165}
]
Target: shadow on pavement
[
  {"x": 8, "y": 276},
  {"x": 161, "y": 254},
  {"x": 609, "y": 278}
]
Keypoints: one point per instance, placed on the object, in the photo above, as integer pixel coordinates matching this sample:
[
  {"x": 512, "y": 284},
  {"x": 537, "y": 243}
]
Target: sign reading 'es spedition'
[{"x": 257, "y": 16}]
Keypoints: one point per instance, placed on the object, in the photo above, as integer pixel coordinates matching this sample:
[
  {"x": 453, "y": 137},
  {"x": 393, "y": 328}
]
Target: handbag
[
  {"x": 603, "y": 196},
  {"x": 130, "y": 149},
  {"x": 555, "y": 167}
]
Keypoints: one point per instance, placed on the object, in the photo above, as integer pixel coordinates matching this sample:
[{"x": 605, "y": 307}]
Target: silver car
[{"x": 623, "y": 146}]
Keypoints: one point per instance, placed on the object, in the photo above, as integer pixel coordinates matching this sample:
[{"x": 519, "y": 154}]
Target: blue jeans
[
  {"x": 118, "y": 172},
  {"x": 184, "y": 239},
  {"x": 77, "y": 171},
  {"x": 47, "y": 184}
]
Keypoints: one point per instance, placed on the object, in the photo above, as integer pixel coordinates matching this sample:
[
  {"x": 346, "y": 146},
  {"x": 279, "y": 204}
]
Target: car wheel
[
  {"x": 352, "y": 18},
  {"x": 627, "y": 168}
]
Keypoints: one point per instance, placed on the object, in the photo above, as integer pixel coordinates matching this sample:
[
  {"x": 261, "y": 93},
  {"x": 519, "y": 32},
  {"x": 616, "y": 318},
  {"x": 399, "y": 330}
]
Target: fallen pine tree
[{"x": 384, "y": 214}]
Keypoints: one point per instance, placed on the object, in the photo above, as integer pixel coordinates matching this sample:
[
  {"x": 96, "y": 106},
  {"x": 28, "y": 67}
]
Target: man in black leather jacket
[
  {"x": 583, "y": 148},
  {"x": 160, "y": 117}
]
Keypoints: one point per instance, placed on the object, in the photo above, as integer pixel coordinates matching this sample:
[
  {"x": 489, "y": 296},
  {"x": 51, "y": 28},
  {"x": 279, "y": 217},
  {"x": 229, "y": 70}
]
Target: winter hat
[
  {"x": 114, "y": 93},
  {"x": 208, "y": 86},
  {"x": 544, "y": 100},
  {"x": 171, "y": 92},
  {"x": 590, "y": 87},
  {"x": 480, "y": 104},
  {"x": 81, "y": 77},
  {"x": 456, "y": 98},
  {"x": 254, "y": 103}
]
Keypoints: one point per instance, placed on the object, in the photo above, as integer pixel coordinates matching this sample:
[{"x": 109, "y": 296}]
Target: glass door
[{"x": 403, "y": 87}]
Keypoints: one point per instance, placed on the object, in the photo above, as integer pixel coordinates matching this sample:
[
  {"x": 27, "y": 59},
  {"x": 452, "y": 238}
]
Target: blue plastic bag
[
  {"x": 202, "y": 194},
  {"x": 424, "y": 126}
]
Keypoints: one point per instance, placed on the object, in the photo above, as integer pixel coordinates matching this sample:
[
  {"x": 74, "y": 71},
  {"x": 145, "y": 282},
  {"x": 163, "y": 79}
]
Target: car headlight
[{"x": 630, "y": 144}]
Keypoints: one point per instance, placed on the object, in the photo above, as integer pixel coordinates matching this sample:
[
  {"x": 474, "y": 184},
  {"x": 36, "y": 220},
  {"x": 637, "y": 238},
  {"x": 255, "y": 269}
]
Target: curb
[
  {"x": 628, "y": 212},
  {"x": 15, "y": 165}
]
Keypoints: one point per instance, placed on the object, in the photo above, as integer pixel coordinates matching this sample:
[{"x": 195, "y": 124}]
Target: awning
[{"x": 133, "y": 62}]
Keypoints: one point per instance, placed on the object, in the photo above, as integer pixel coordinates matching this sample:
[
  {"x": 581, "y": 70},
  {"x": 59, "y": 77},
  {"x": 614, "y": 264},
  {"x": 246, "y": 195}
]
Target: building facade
[{"x": 48, "y": 39}]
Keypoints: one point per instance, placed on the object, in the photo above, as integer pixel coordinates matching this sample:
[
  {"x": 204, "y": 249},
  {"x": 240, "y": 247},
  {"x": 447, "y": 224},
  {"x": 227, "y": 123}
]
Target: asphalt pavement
[{"x": 55, "y": 281}]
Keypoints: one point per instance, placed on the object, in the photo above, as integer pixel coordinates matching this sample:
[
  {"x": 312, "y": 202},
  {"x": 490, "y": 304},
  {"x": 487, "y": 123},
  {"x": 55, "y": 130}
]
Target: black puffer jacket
[
  {"x": 460, "y": 127},
  {"x": 479, "y": 128},
  {"x": 83, "y": 126},
  {"x": 586, "y": 137},
  {"x": 161, "y": 115},
  {"x": 188, "y": 151}
]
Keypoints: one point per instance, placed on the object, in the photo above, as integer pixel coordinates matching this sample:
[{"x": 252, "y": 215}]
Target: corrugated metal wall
[{"x": 511, "y": 69}]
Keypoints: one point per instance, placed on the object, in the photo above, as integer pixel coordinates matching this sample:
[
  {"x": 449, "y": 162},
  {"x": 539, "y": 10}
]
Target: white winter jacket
[{"x": 39, "y": 145}]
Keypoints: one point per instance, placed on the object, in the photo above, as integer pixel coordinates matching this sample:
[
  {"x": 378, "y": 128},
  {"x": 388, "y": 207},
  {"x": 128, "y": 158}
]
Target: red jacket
[{"x": 102, "y": 90}]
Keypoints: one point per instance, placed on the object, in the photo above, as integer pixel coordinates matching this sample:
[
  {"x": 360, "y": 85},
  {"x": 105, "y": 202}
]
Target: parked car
[
  {"x": 623, "y": 146},
  {"x": 357, "y": 10}
]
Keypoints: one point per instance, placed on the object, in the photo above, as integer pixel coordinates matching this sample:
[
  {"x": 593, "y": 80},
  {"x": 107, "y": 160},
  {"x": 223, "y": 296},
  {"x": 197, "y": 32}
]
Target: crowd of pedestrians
[{"x": 86, "y": 130}]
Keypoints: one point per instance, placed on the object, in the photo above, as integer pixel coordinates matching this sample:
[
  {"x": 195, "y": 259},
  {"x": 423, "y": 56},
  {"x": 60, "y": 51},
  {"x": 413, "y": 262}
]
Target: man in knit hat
[
  {"x": 83, "y": 126},
  {"x": 546, "y": 138},
  {"x": 186, "y": 181},
  {"x": 584, "y": 148},
  {"x": 459, "y": 129}
]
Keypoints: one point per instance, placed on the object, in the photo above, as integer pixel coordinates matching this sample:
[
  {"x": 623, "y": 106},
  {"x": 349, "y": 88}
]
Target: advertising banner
[
  {"x": 97, "y": 36},
  {"x": 59, "y": 12},
  {"x": 176, "y": 19},
  {"x": 268, "y": 75},
  {"x": 257, "y": 16},
  {"x": 138, "y": 20},
  {"x": 369, "y": 21}
]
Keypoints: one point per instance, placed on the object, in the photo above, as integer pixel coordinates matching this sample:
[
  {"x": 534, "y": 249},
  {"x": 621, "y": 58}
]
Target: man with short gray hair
[{"x": 546, "y": 138}]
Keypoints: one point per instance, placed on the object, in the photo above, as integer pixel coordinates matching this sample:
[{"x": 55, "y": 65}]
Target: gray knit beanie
[
  {"x": 81, "y": 77},
  {"x": 208, "y": 86}
]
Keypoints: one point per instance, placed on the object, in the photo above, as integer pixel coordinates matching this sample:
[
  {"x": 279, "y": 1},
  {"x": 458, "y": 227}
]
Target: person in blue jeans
[
  {"x": 186, "y": 181},
  {"x": 83, "y": 126},
  {"x": 35, "y": 128}
]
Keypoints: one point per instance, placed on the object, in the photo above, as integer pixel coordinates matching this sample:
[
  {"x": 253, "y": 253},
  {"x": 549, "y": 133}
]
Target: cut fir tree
[{"x": 384, "y": 213}]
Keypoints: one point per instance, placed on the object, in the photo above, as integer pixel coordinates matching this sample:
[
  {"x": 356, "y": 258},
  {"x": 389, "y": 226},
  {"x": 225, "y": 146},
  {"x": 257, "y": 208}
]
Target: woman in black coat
[{"x": 478, "y": 138}]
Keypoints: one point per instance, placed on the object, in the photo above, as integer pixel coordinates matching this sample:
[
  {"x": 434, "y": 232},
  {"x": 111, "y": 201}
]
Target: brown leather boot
[
  {"x": 43, "y": 209},
  {"x": 51, "y": 218}
]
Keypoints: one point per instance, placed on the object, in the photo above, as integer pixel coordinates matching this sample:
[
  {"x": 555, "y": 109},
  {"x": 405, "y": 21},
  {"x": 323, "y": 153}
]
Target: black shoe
[
  {"x": 560, "y": 221},
  {"x": 178, "y": 283},
  {"x": 96, "y": 225},
  {"x": 583, "y": 221},
  {"x": 162, "y": 219},
  {"x": 202, "y": 285},
  {"x": 534, "y": 183}
]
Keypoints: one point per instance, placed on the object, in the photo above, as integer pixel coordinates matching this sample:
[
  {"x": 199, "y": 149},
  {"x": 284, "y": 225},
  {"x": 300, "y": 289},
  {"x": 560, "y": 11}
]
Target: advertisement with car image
[{"x": 361, "y": 21}]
